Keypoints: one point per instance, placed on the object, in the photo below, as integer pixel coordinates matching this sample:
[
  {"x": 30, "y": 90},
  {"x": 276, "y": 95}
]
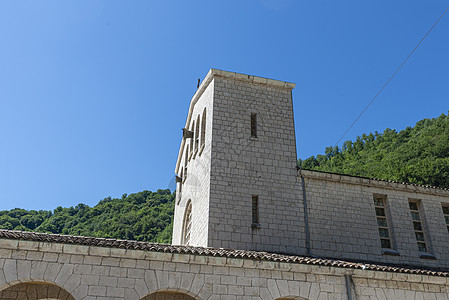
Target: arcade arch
[
  {"x": 168, "y": 295},
  {"x": 35, "y": 291}
]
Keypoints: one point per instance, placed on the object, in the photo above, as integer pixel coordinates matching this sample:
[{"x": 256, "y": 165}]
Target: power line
[{"x": 391, "y": 77}]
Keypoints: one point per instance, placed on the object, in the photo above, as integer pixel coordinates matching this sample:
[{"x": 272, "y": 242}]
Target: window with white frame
[
  {"x": 382, "y": 221},
  {"x": 415, "y": 211}
]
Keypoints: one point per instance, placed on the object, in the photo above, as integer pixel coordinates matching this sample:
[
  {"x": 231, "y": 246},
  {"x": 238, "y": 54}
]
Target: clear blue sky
[{"x": 93, "y": 94}]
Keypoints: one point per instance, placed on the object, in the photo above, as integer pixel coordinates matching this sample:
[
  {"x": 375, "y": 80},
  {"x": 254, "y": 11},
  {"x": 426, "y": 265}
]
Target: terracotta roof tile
[{"x": 126, "y": 244}]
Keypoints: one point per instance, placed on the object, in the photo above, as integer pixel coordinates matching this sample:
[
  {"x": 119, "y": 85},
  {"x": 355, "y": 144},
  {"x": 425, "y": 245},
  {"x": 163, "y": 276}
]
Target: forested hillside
[
  {"x": 144, "y": 216},
  {"x": 418, "y": 154}
]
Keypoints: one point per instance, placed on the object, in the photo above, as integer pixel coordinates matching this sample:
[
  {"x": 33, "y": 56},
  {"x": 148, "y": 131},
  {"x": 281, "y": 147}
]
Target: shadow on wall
[
  {"x": 168, "y": 296},
  {"x": 35, "y": 291}
]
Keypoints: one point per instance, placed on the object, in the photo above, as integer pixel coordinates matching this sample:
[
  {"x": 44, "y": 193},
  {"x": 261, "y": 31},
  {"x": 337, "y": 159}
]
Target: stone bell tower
[{"x": 237, "y": 185}]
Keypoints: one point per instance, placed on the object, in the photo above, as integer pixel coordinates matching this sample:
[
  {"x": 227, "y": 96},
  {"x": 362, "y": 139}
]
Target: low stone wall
[{"x": 91, "y": 272}]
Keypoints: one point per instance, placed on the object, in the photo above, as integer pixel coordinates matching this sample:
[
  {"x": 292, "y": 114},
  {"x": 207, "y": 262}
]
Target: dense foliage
[
  {"x": 144, "y": 216},
  {"x": 418, "y": 154}
]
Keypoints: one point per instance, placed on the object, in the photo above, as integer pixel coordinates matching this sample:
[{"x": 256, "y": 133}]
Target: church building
[{"x": 248, "y": 224}]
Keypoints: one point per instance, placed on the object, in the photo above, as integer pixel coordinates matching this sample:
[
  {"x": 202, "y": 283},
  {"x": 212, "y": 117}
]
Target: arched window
[
  {"x": 185, "y": 163},
  {"x": 203, "y": 128},
  {"x": 192, "y": 140},
  {"x": 197, "y": 134},
  {"x": 187, "y": 224}
]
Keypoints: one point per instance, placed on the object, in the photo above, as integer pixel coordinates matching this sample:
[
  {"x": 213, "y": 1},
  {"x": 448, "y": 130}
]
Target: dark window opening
[
  {"x": 254, "y": 125},
  {"x": 446, "y": 215},
  {"x": 255, "y": 211}
]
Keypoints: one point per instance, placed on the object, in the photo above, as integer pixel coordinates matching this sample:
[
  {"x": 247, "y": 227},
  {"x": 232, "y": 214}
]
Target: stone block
[
  {"x": 23, "y": 269},
  {"x": 9, "y": 244},
  {"x": 197, "y": 283},
  {"x": 75, "y": 249},
  {"x": 151, "y": 280},
  {"x": 96, "y": 290},
  {"x": 52, "y": 271},
  {"x": 50, "y": 257},
  {"x": 10, "y": 270},
  {"x": 38, "y": 269},
  {"x": 28, "y": 245},
  {"x": 99, "y": 251},
  {"x": 115, "y": 292}
]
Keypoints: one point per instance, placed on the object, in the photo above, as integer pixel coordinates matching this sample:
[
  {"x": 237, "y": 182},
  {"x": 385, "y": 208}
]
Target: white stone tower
[{"x": 237, "y": 184}]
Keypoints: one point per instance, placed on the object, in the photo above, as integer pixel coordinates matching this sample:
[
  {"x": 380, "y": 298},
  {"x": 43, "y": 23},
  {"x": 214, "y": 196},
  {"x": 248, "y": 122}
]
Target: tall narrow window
[
  {"x": 418, "y": 226},
  {"x": 180, "y": 186},
  {"x": 446, "y": 215},
  {"x": 255, "y": 210},
  {"x": 203, "y": 128},
  {"x": 254, "y": 125},
  {"x": 186, "y": 158},
  {"x": 187, "y": 224},
  {"x": 197, "y": 134},
  {"x": 382, "y": 222},
  {"x": 192, "y": 143}
]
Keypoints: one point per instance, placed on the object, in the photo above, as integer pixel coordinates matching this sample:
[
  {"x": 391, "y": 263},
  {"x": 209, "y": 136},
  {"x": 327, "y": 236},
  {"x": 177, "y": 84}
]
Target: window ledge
[
  {"x": 390, "y": 252},
  {"x": 255, "y": 225},
  {"x": 254, "y": 138},
  {"x": 427, "y": 256}
]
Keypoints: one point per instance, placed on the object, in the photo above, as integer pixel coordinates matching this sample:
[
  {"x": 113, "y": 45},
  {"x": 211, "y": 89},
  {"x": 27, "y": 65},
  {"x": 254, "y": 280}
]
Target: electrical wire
[{"x": 391, "y": 77}]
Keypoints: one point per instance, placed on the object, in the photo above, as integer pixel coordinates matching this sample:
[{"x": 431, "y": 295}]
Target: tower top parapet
[{"x": 233, "y": 76}]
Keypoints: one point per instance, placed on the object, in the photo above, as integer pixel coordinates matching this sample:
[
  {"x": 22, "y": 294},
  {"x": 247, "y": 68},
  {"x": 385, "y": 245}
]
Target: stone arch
[
  {"x": 35, "y": 290},
  {"x": 171, "y": 295},
  {"x": 187, "y": 224}
]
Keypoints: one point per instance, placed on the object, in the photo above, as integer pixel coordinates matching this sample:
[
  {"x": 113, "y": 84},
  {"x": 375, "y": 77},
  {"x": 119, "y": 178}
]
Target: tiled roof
[{"x": 255, "y": 255}]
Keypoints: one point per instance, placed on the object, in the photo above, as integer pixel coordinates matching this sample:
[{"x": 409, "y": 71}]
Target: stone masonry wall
[
  {"x": 89, "y": 272},
  {"x": 343, "y": 221},
  {"x": 196, "y": 185},
  {"x": 243, "y": 166}
]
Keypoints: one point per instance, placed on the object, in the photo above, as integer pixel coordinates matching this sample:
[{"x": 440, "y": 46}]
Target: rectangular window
[
  {"x": 253, "y": 125},
  {"x": 255, "y": 210},
  {"x": 446, "y": 215},
  {"x": 382, "y": 222},
  {"x": 418, "y": 225}
]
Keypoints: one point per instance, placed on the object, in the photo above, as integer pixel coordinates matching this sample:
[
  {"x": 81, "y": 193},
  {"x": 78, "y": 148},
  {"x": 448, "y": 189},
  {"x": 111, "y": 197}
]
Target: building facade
[
  {"x": 243, "y": 190},
  {"x": 249, "y": 225}
]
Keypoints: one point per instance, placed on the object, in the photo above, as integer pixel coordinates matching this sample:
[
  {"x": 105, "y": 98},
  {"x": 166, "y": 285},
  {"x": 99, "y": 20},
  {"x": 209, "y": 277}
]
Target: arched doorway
[
  {"x": 35, "y": 291},
  {"x": 168, "y": 296}
]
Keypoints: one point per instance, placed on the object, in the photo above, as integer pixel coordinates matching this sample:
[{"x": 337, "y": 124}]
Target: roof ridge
[{"x": 384, "y": 180}]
